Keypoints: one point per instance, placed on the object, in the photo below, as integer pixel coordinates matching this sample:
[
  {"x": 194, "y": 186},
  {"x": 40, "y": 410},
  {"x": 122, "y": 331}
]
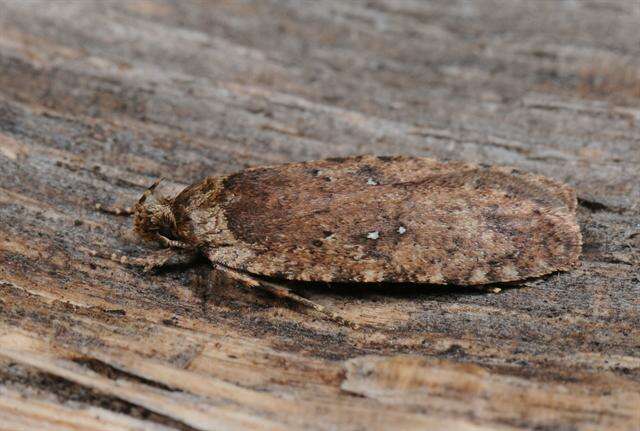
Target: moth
[{"x": 368, "y": 219}]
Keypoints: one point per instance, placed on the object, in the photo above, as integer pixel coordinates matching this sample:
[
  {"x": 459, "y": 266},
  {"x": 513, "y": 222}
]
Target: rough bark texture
[{"x": 99, "y": 98}]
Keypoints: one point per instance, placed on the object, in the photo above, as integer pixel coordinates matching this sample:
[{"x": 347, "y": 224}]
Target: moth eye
[{"x": 166, "y": 232}]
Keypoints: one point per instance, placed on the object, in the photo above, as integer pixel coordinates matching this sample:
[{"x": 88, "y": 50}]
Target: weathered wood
[{"x": 97, "y": 99}]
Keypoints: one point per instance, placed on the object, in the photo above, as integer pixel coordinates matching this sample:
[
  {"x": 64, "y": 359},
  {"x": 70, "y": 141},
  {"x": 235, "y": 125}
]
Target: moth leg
[
  {"x": 153, "y": 261},
  {"x": 284, "y": 292},
  {"x": 119, "y": 211},
  {"x": 172, "y": 243}
]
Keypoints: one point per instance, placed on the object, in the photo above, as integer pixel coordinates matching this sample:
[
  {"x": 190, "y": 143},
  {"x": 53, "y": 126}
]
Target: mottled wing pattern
[{"x": 394, "y": 219}]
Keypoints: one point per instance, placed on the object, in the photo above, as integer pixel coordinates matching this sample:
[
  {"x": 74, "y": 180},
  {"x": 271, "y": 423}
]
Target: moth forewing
[{"x": 380, "y": 219}]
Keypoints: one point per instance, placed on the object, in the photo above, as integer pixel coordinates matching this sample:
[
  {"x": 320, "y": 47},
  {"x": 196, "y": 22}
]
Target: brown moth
[{"x": 371, "y": 219}]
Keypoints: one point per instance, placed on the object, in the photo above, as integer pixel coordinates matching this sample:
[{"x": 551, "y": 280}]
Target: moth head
[{"x": 153, "y": 215}]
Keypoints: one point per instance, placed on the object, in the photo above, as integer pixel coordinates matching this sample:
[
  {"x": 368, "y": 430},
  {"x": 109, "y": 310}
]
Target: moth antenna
[
  {"x": 150, "y": 262},
  {"x": 119, "y": 211},
  {"x": 115, "y": 257},
  {"x": 150, "y": 190}
]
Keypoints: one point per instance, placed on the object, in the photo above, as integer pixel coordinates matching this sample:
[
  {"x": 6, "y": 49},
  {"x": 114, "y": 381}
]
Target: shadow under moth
[{"x": 367, "y": 219}]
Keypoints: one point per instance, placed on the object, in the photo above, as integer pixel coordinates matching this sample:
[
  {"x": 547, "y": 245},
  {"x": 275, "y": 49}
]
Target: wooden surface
[{"x": 97, "y": 99}]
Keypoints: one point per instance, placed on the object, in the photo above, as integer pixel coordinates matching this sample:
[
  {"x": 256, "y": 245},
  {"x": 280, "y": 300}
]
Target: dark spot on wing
[
  {"x": 370, "y": 173},
  {"x": 337, "y": 159},
  {"x": 389, "y": 159}
]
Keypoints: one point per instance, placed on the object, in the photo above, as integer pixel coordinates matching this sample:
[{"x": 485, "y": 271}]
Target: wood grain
[{"x": 97, "y": 99}]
